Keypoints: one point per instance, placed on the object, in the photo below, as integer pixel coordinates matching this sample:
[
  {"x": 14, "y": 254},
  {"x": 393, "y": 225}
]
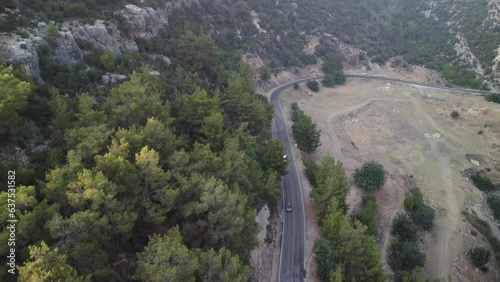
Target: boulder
[
  {"x": 67, "y": 50},
  {"x": 98, "y": 34},
  {"x": 20, "y": 52},
  {"x": 112, "y": 78},
  {"x": 146, "y": 22}
]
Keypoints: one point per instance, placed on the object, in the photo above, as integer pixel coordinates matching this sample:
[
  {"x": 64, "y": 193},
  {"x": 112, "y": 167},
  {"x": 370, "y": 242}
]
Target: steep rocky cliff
[{"x": 145, "y": 23}]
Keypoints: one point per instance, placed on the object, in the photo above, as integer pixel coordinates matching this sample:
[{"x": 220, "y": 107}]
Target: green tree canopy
[
  {"x": 158, "y": 195},
  {"x": 199, "y": 54},
  {"x": 331, "y": 183},
  {"x": 325, "y": 257},
  {"x": 83, "y": 237},
  {"x": 313, "y": 85},
  {"x": 242, "y": 105},
  {"x": 13, "y": 100},
  {"x": 108, "y": 60},
  {"x": 221, "y": 266},
  {"x": 48, "y": 264},
  {"x": 332, "y": 64},
  {"x": 274, "y": 157},
  {"x": 405, "y": 256},
  {"x": 368, "y": 215},
  {"x": 166, "y": 258},
  {"x": 370, "y": 176},
  {"x": 421, "y": 213},
  {"x": 306, "y": 134},
  {"x": 480, "y": 256},
  {"x": 404, "y": 228},
  {"x": 136, "y": 100},
  {"x": 217, "y": 219}
]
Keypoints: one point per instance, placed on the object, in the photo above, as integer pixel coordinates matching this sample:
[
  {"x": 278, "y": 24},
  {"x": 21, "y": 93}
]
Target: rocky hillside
[
  {"x": 458, "y": 38},
  {"x": 75, "y": 37}
]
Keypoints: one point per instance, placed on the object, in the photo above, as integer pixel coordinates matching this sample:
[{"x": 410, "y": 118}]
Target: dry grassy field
[{"x": 410, "y": 131}]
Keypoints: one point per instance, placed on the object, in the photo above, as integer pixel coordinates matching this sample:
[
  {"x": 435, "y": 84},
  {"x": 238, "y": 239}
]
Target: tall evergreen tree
[
  {"x": 221, "y": 266},
  {"x": 331, "y": 183},
  {"x": 158, "y": 195},
  {"x": 48, "y": 264},
  {"x": 13, "y": 100},
  {"x": 274, "y": 157},
  {"x": 166, "y": 259},
  {"x": 306, "y": 134}
]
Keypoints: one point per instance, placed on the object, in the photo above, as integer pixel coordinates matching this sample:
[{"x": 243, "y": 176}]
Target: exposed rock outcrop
[
  {"x": 67, "y": 51},
  {"x": 18, "y": 51},
  {"x": 146, "y": 22},
  {"x": 112, "y": 78},
  {"x": 103, "y": 37}
]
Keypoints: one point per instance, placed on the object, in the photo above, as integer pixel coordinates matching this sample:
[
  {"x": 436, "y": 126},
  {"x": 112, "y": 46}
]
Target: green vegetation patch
[
  {"x": 482, "y": 182},
  {"x": 422, "y": 214},
  {"x": 370, "y": 176},
  {"x": 304, "y": 130},
  {"x": 480, "y": 256}
]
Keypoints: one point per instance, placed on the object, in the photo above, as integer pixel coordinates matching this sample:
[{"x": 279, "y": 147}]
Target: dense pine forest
[{"x": 177, "y": 153}]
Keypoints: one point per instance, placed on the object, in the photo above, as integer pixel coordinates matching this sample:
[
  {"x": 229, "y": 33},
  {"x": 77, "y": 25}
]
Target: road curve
[{"x": 292, "y": 264}]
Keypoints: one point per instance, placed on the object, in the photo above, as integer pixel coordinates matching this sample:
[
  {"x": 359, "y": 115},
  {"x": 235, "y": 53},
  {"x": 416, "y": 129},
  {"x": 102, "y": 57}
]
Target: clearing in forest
[{"x": 410, "y": 131}]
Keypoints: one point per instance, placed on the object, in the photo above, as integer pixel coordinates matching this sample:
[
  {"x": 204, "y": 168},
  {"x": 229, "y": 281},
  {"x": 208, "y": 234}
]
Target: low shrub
[
  {"x": 482, "y": 182},
  {"x": 494, "y": 203},
  {"x": 480, "y": 256},
  {"x": 493, "y": 98},
  {"x": 313, "y": 85},
  {"x": 421, "y": 214}
]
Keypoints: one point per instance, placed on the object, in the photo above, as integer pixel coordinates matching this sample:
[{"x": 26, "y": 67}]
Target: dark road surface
[
  {"x": 293, "y": 237},
  {"x": 292, "y": 264}
]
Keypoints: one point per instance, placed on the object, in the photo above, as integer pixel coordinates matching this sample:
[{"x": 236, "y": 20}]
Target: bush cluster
[
  {"x": 493, "y": 98},
  {"x": 404, "y": 254},
  {"x": 422, "y": 214},
  {"x": 313, "y": 85},
  {"x": 482, "y": 182},
  {"x": 480, "y": 256},
  {"x": 370, "y": 176},
  {"x": 494, "y": 203}
]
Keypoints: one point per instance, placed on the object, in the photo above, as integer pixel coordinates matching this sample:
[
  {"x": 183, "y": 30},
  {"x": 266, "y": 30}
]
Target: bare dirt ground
[{"x": 409, "y": 130}]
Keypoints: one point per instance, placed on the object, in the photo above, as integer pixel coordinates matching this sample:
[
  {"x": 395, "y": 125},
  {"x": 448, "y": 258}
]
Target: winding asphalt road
[
  {"x": 291, "y": 266},
  {"x": 292, "y": 263}
]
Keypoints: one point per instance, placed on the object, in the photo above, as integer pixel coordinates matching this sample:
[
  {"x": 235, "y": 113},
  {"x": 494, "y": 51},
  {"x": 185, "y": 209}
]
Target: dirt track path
[
  {"x": 446, "y": 234},
  {"x": 438, "y": 177}
]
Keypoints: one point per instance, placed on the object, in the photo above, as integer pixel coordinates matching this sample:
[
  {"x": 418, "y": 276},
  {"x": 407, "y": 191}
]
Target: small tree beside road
[{"x": 305, "y": 134}]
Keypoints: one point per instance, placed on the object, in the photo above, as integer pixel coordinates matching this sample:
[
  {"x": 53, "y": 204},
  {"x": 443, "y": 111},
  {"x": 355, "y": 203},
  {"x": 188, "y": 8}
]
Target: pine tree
[
  {"x": 221, "y": 266},
  {"x": 13, "y": 100},
  {"x": 158, "y": 195},
  {"x": 48, "y": 264},
  {"x": 166, "y": 259},
  {"x": 306, "y": 135},
  {"x": 274, "y": 157},
  {"x": 331, "y": 182}
]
